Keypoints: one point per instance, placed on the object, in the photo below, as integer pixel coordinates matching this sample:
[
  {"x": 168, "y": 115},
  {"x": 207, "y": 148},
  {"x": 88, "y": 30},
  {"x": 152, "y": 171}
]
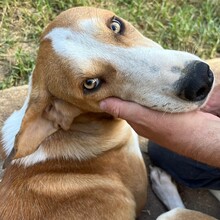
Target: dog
[{"x": 64, "y": 157}]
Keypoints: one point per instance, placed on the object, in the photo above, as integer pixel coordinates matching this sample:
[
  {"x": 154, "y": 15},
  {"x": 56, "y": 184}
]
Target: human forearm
[{"x": 198, "y": 139}]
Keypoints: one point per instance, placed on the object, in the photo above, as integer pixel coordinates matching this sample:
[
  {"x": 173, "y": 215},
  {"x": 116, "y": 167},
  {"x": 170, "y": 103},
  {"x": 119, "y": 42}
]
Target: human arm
[{"x": 194, "y": 134}]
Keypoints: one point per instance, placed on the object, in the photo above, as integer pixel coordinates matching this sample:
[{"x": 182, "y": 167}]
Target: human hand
[
  {"x": 160, "y": 127},
  {"x": 150, "y": 123},
  {"x": 188, "y": 134}
]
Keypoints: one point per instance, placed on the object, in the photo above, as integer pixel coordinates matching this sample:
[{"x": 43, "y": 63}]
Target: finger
[{"x": 123, "y": 109}]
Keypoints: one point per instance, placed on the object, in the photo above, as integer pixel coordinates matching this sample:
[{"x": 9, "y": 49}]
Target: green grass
[{"x": 191, "y": 25}]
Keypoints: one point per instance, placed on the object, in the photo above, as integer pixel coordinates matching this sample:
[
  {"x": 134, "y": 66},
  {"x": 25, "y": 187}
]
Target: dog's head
[{"x": 87, "y": 55}]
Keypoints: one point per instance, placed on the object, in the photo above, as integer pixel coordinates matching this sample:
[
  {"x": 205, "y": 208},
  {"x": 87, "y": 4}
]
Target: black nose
[{"x": 197, "y": 83}]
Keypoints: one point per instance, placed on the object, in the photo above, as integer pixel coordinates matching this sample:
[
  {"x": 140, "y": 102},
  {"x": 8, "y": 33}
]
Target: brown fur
[
  {"x": 99, "y": 188},
  {"x": 108, "y": 183}
]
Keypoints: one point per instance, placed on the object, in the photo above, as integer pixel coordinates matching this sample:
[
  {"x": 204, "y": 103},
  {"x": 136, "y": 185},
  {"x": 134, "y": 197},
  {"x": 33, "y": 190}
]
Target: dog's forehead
[
  {"x": 82, "y": 38},
  {"x": 86, "y": 13},
  {"x": 73, "y": 17},
  {"x": 97, "y": 22}
]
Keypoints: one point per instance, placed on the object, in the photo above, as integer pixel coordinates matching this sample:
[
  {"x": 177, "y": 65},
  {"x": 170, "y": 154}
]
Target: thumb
[{"x": 121, "y": 109}]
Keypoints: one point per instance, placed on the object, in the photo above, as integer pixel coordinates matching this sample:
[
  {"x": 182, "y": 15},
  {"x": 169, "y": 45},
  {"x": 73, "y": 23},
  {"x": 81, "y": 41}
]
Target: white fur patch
[
  {"x": 11, "y": 128},
  {"x": 165, "y": 189},
  {"x": 134, "y": 147},
  {"x": 13, "y": 123},
  {"x": 38, "y": 156},
  {"x": 216, "y": 193}
]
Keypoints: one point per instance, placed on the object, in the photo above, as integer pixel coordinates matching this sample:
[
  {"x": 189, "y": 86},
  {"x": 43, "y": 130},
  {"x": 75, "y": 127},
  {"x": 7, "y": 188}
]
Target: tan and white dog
[{"x": 64, "y": 157}]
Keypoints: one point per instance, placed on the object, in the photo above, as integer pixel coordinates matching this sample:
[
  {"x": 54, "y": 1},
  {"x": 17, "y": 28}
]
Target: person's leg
[{"x": 184, "y": 170}]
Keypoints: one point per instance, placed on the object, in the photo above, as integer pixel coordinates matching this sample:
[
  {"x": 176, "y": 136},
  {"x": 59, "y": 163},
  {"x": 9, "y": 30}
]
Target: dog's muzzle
[{"x": 196, "y": 83}]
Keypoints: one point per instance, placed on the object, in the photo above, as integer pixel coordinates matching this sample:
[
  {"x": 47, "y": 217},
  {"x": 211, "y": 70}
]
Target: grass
[{"x": 191, "y": 25}]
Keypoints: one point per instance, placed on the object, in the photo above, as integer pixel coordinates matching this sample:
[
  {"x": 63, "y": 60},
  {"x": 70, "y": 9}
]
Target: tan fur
[
  {"x": 184, "y": 214},
  {"x": 65, "y": 189},
  {"x": 111, "y": 184}
]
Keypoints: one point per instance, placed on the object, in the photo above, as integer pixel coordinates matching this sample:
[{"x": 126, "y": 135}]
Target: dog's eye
[
  {"x": 91, "y": 84},
  {"x": 116, "y": 25}
]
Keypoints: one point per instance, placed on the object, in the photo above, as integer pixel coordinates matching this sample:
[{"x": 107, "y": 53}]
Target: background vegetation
[{"x": 191, "y": 25}]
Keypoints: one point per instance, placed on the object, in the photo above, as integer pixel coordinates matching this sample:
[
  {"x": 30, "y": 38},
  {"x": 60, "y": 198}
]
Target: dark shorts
[{"x": 184, "y": 170}]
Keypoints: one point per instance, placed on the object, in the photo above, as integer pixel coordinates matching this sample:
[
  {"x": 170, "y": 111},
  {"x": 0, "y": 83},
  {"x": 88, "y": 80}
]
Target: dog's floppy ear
[{"x": 39, "y": 122}]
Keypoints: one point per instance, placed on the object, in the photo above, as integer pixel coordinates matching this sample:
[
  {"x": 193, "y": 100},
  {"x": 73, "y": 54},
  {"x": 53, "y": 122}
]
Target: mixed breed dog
[{"x": 64, "y": 157}]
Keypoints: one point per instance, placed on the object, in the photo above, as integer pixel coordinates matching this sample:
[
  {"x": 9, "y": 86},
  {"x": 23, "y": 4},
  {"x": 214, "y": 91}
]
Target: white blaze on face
[{"x": 149, "y": 72}]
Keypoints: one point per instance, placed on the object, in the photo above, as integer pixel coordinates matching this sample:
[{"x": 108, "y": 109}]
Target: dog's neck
[{"x": 90, "y": 135}]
